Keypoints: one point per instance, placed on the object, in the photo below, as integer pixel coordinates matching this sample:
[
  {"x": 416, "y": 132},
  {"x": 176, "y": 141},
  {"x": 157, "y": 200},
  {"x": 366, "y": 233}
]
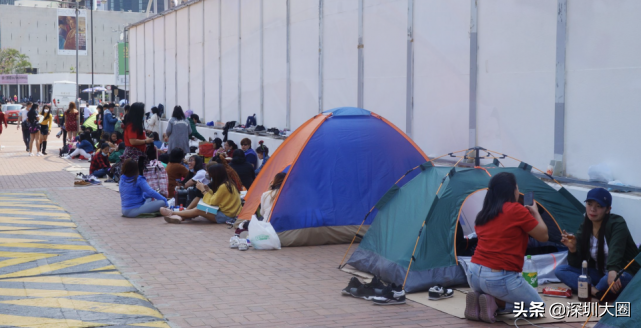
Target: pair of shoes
[
  {"x": 438, "y": 293},
  {"x": 31, "y": 154},
  {"x": 39, "y": 154},
  {"x": 173, "y": 219},
  {"x": 480, "y": 307},
  {"x": 370, "y": 290},
  {"x": 44, "y": 153},
  {"x": 81, "y": 183},
  {"x": 392, "y": 295},
  {"x": 353, "y": 284},
  {"x": 66, "y": 157}
]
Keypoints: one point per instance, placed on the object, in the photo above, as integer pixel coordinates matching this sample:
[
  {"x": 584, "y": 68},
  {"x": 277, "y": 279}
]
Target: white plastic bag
[
  {"x": 600, "y": 172},
  {"x": 262, "y": 235},
  {"x": 171, "y": 202}
]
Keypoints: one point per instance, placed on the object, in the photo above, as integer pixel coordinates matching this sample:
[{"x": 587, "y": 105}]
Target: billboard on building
[
  {"x": 67, "y": 32},
  {"x": 121, "y": 61}
]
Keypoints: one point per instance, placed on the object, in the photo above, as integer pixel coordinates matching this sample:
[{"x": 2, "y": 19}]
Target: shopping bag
[
  {"x": 206, "y": 149},
  {"x": 262, "y": 235}
]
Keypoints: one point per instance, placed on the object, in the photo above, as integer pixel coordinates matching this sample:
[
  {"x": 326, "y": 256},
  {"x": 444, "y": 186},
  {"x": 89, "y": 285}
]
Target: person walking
[
  {"x": 45, "y": 128},
  {"x": 71, "y": 122},
  {"x": 178, "y": 130},
  {"x": 23, "y": 125},
  {"x": 2, "y": 120}
]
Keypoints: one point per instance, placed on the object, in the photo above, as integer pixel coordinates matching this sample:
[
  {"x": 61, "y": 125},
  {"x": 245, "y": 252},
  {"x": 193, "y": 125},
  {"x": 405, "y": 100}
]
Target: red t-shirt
[
  {"x": 130, "y": 134},
  {"x": 503, "y": 240}
]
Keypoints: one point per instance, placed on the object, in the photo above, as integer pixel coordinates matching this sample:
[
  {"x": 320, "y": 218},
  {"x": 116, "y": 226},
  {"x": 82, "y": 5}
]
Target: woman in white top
[
  {"x": 196, "y": 171},
  {"x": 153, "y": 123},
  {"x": 268, "y": 197}
]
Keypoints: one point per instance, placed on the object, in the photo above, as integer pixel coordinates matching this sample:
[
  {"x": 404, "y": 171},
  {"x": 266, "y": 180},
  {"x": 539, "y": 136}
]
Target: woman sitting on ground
[
  {"x": 494, "y": 274},
  {"x": 135, "y": 193},
  {"x": 100, "y": 163},
  {"x": 268, "y": 197},
  {"x": 84, "y": 148},
  {"x": 175, "y": 170},
  {"x": 603, "y": 239},
  {"x": 220, "y": 192},
  {"x": 230, "y": 172},
  {"x": 197, "y": 171},
  {"x": 218, "y": 147},
  {"x": 229, "y": 147},
  {"x": 245, "y": 170},
  {"x": 263, "y": 155}
]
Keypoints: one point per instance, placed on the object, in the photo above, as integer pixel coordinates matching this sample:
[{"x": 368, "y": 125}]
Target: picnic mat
[{"x": 456, "y": 305}]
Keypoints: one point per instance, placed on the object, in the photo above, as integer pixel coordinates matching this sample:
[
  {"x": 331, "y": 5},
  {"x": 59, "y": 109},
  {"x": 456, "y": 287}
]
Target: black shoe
[
  {"x": 438, "y": 293},
  {"x": 353, "y": 284},
  {"x": 369, "y": 291},
  {"x": 392, "y": 295}
]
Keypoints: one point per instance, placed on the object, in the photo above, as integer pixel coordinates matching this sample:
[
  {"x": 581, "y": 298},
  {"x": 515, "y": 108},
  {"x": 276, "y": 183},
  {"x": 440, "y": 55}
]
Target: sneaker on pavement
[
  {"x": 173, "y": 219},
  {"x": 39, "y": 154},
  {"x": 81, "y": 183},
  {"x": 31, "y": 154},
  {"x": 354, "y": 283},
  {"x": 472, "y": 309},
  {"x": 487, "y": 308},
  {"x": 242, "y": 246},
  {"x": 438, "y": 293},
  {"x": 370, "y": 290},
  {"x": 234, "y": 241},
  {"x": 66, "y": 157},
  {"x": 392, "y": 295}
]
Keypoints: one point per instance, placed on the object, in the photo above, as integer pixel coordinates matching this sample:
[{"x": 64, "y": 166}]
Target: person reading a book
[
  {"x": 221, "y": 192},
  {"x": 603, "y": 239}
]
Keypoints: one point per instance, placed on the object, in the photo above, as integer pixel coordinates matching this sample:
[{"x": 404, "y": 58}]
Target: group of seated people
[{"x": 504, "y": 226}]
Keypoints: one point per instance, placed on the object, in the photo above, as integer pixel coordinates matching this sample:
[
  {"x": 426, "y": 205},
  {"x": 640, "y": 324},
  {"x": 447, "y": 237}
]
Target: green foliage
[{"x": 12, "y": 61}]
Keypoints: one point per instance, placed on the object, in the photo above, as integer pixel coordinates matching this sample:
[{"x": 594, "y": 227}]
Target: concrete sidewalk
[{"x": 192, "y": 276}]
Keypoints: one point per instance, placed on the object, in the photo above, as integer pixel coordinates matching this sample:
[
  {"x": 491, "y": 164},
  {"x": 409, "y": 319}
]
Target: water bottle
[
  {"x": 529, "y": 272},
  {"x": 584, "y": 284}
]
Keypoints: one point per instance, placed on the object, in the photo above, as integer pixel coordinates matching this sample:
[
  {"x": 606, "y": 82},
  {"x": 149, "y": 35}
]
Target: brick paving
[{"x": 192, "y": 276}]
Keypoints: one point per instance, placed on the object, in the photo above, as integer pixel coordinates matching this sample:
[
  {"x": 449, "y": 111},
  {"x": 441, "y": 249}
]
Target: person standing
[
  {"x": 45, "y": 128},
  {"x": 193, "y": 119},
  {"x": 178, "y": 131},
  {"x": 153, "y": 123},
  {"x": 23, "y": 125},
  {"x": 134, "y": 137},
  {"x": 100, "y": 114},
  {"x": 109, "y": 124},
  {"x": 34, "y": 128},
  {"x": 71, "y": 122}
]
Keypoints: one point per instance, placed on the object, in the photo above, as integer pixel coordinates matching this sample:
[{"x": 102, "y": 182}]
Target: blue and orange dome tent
[{"x": 339, "y": 164}]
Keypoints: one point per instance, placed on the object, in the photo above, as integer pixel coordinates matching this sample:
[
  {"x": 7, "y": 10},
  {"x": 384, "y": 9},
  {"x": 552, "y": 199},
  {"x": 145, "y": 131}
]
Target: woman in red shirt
[
  {"x": 503, "y": 227},
  {"x": 134, "y": 136}
]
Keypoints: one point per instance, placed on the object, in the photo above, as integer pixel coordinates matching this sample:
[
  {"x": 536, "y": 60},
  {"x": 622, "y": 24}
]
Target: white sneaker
[
  {"x": 39, "y": 154},
  {"x": 243, "y": 245},
  {"x": 234, "y": 242},
  {"x": 31, "y": 154},
  {"x": 89, "y": 159},
  {"x": 67, "y": 157}
]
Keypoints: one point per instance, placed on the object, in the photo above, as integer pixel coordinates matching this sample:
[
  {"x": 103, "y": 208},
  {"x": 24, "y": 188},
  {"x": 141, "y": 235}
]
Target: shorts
[{"x": 44, "y": 130}]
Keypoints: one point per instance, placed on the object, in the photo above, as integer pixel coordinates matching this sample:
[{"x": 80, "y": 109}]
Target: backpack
[{"x": 157, "y": 177}]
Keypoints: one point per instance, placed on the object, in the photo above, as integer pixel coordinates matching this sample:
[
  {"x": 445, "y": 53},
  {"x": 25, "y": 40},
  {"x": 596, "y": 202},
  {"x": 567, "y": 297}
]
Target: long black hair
[
  {"x": 500, "y": 190},
  {"x": 219, "y": 176},
  {"x": 135, "y": 117},
  {"x": 238, "y": 157},
  {"x": 586, "y": 243},
  {"x": 198, "y": 163},
  {"x": 218, "y": 142},
  {"x": 178, "y": 113},
  {"x": 32, "y": 114}
]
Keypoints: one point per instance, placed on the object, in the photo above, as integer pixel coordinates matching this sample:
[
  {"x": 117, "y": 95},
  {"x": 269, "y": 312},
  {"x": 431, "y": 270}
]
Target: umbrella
[{"x": 95, "y": 89}]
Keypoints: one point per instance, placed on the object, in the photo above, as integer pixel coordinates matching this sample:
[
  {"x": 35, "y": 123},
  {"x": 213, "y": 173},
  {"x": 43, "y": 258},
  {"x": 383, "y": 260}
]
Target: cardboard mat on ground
[{"x": 456, "y": 305}]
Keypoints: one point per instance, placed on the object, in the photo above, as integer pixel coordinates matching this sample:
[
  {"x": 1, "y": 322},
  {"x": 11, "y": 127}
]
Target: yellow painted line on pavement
[
  {"x": 79, "y": 305},
  {"x": 20, "y": 321},
  {"x": 51, "y": 246},
  {"x": 30, "y": 206},
  {"x": 16, "y": 261},
  {"x": 28, "y": 213},
  {"x": 154, "y": 324},
  {"x": 30, "y": 221},
  {"x": 109, "y": 267},
  {"x": 73, "y": 281},
  {"x": 55, "y": 266},
  {"x": 18, "y": 240},
  {"x": 41, "y": 233},
  {"x": 29, "y": 292}
]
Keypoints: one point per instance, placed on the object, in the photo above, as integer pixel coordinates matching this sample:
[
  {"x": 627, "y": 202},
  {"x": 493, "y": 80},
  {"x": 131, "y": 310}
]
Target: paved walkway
[{"x": 191, "y": 275}]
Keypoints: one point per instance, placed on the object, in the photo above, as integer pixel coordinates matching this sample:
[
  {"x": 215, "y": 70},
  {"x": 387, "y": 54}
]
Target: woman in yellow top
[
  {"x": 45, "y": 127},
  {"x": 221, "y": 192}
]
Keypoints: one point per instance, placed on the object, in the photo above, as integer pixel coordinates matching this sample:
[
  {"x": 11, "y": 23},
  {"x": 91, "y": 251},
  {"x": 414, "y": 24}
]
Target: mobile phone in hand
[{"x": 528, "y": 198}]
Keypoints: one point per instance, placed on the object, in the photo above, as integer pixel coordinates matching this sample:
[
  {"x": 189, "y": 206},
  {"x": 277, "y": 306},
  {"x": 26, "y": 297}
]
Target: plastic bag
[
  {"x": 171, "y": 202},
  {"x": 600, "y": 172},
  {"x": 262, "y": 235}
]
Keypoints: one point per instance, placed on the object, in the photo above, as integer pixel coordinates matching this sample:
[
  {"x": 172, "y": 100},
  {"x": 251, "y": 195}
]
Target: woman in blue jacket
[
  {"x": 136, "y": 196},
  {"x": 83, "y": 148}
]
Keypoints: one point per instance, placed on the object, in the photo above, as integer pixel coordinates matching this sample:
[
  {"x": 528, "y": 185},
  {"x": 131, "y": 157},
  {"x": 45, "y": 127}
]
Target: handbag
[{"x": 157, "y": 177}]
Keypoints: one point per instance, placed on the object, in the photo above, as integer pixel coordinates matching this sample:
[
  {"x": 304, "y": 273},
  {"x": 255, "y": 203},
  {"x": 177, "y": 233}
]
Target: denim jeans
[
  {"x": 569, "y": 275},
  {"x": 100, "y": 173},
  {"x": 148, "y": 207},
  {"x": 508, "y": 286},
  {"x": 222, "y": 218}
]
